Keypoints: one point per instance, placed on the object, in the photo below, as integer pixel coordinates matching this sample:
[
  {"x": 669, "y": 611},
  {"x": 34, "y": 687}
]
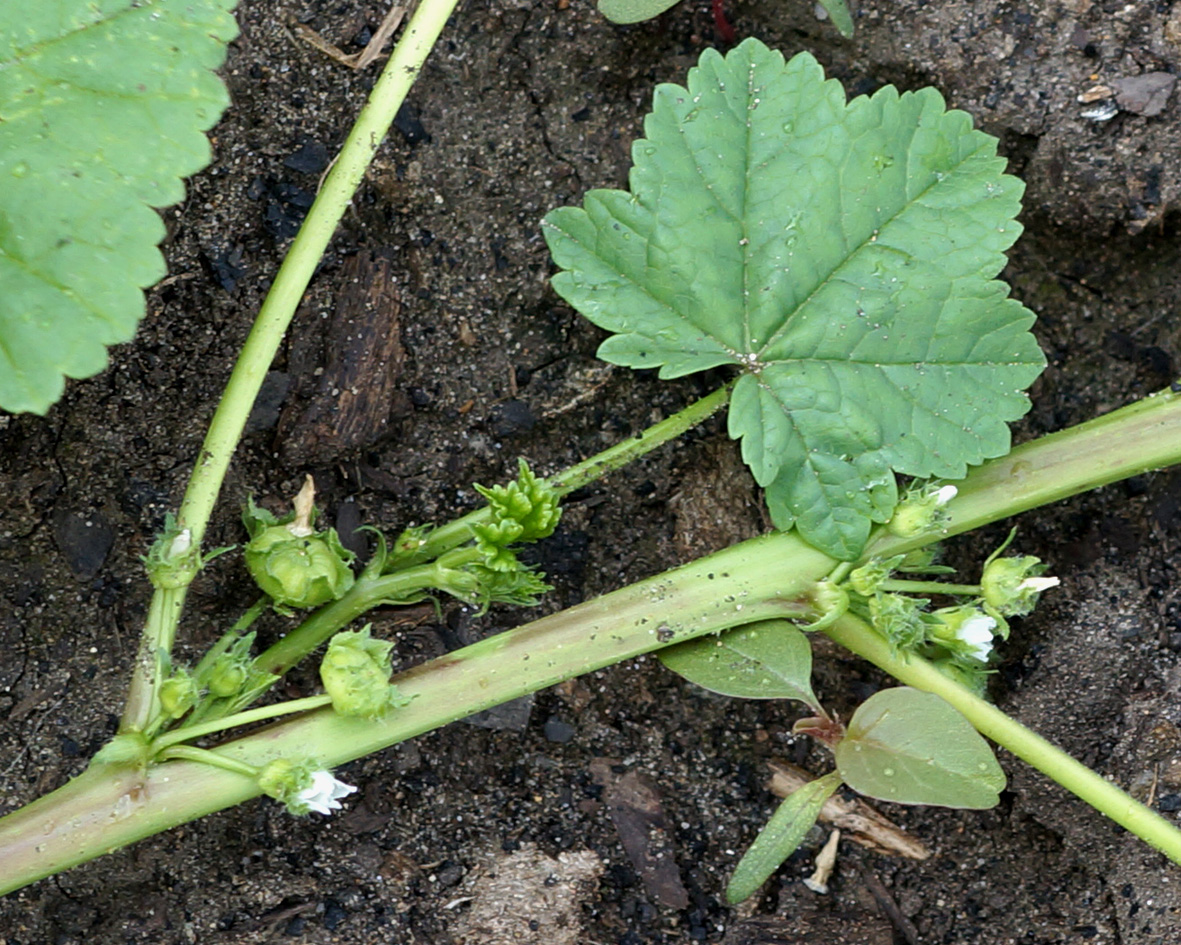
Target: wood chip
[{"x": 860, "y": 822}]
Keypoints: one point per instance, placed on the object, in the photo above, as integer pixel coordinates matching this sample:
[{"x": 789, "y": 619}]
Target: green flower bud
[
  {"x": 899, "y": 619},
  {"x": 178, "y": 694},
  {"x": 173, "y": 560},
  {"x": 1010, "y": 586},
  {"x": 299, "y": 572},
  {"x": 356, "y": 674},
  {"x": 866, "y": 579},
  {"x": 921, "y": 511},
  {"x": 227, "y": 677}
]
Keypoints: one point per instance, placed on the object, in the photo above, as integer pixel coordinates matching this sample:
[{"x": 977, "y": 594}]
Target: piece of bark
[
  {"x": 347, "y": 407},
  {"x": 859, "y": 822},
  {"x": 636, "y": 811}
]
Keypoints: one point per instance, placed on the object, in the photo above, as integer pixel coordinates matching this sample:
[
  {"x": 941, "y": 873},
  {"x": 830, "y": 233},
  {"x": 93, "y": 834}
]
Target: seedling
[{"x": 841, "y": 258}]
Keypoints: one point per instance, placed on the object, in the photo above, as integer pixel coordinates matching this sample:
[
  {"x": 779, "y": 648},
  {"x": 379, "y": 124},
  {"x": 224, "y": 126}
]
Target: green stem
[
  {"x": 143, "y": 704},
  {"x": 262, "y": 713},
  {"x": 455, "y": 533},
  {"x": 856, "y": 635},
  {"x": 106, "y": 807},
  {"x": 206, "y": 757},
  {"x": 225, "y": 429},
  {"x": 365, "y": 594},
  {"x": 930, "y": 587}
]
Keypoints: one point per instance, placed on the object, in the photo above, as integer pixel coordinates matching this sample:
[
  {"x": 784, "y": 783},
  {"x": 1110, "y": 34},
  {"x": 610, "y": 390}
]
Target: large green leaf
[
  {"x": 841, "y": 256},
  {"x": 103, "y": 109},
  {"x": 770, "y": 659},
  {"x": 911, "y": 747}
]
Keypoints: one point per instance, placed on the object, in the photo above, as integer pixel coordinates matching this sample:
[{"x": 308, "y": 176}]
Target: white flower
[
  {"x": 324, "y": 793},
  {"x": 976, "y": 632},
  {"x": 944, "y": 495},
  {"x": 1038, "y": 584},
  {"x": 181, "y": 543}
]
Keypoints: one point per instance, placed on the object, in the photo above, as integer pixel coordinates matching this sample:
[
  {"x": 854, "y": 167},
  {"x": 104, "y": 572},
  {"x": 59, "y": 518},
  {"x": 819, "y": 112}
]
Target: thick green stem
[
  {"x": 225, "y": 429},
  {"x": 856, "y": 635},
  {"x": 106, "y": 808}
]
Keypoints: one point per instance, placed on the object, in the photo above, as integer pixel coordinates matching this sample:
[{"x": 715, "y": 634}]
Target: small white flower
[
  {"x": 324, "y": 793},
  {"x": 181, "y": 543},
  {"x": 1038, "y": 584},
  {"x": 945, "y": 495},
  {"x": 976, "y": 632}
]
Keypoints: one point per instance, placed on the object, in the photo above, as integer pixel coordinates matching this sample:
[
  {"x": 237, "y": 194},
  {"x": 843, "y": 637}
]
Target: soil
[{"x": 472, "y": 833}]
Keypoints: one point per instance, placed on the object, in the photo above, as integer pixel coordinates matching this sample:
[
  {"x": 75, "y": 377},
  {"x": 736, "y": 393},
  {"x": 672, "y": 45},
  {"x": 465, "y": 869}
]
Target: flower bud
[
  {"x": 227, "y": 677},
  {"x": 899, "y": 619},
  {"x": 173, "y": 561},
  {"x": 921, "y": 511},
  {"x": 297, "y": 566},
  {"x": 178, "y": 694},
  {"x": 299, "y": 572},
  {"x": 1011, "y": 586},
  {"x": 866, "y": 579},
  {"x": 356, "y": 674}
]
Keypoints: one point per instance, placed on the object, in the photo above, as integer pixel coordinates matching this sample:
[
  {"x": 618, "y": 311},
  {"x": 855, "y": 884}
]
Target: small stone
[{"x": 1145, "y": 94}]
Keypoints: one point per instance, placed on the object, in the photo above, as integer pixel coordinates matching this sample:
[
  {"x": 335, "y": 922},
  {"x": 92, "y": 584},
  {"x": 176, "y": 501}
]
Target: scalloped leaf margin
[
  {"x": 841, "y": 255},
  {"x": 104, "y": 105}
]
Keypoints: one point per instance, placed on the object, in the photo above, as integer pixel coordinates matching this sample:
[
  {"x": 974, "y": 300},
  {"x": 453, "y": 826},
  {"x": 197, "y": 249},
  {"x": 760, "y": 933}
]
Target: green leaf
[
  {"x": 911, "y": 747},
  {"x": 103, "y": 105},
  {"x": 634, "y": 11},
  {"x": 841, "y": 256},
  {"x": 770, "y": 659},
  {"x": 781, "y": 837},
  {"x": 838, "y": 12}
]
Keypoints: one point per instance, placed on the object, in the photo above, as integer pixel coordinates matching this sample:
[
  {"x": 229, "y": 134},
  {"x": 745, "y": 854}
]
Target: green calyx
[
  {"x": 1011, "y": 586},
  {"x": 178, "y": 693},
  {"x": 296, "y": 566},
  {"x": 356, "y": 674},
  {"x": 921, "y": 511}
]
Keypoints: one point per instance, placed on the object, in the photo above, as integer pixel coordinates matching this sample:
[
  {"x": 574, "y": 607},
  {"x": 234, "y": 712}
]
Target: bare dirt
[{"x": 509, "y": 833}]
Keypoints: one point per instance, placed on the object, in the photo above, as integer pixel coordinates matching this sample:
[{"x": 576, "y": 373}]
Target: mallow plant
[{"x": 838, "y": 258}]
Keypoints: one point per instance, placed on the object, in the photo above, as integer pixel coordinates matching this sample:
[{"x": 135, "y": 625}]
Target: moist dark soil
[{"x": 513, "y": 829}]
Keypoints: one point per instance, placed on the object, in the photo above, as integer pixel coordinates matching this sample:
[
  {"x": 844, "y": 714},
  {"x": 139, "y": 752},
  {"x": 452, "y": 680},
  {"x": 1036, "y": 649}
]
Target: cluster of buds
[{"x": 524, "y": 510}]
